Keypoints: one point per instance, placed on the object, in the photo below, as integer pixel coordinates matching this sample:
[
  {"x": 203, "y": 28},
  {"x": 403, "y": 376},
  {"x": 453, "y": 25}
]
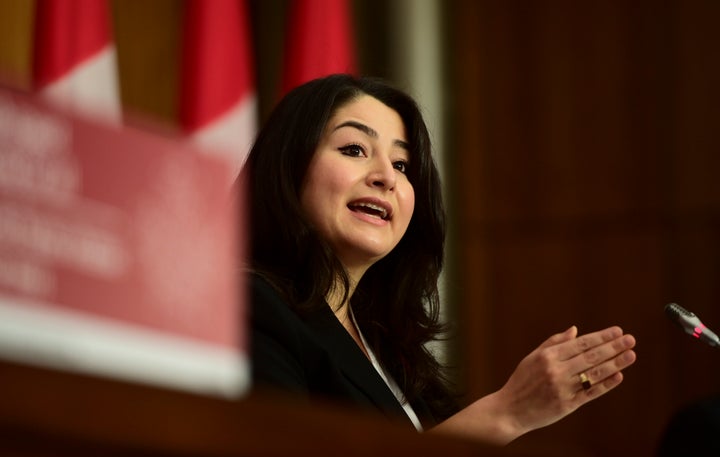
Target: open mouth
[{"x": 370, "y": 209}]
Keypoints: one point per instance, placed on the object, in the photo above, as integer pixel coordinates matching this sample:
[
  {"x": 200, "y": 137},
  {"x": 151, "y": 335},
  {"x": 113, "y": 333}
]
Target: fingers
[
  {"x": 605, "y": 371},
  {"x": 558, "y": 338},
  {"x": 600, "y": 356},
  {"x": 596, "y": 390},
  {"x": 584, "y": 343},
  {"x": 605, "y": 359},
  {"x": 600, "y": 353}
]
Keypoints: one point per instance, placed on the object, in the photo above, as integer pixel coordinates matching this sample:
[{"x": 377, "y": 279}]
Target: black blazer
[{"x": 315, "y": 357}]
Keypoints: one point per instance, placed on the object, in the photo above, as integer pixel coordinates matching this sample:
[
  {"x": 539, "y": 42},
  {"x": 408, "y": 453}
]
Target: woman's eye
[
  {"x": 401, "y": 166},
  {"x": 353, "y": 150}
]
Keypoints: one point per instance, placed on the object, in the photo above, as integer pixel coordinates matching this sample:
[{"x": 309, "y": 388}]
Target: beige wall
[{"x": 16, "y": 42}]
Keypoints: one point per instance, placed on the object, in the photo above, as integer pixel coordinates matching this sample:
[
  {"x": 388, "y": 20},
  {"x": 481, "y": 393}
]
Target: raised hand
[{"x": 563, "y": 373}]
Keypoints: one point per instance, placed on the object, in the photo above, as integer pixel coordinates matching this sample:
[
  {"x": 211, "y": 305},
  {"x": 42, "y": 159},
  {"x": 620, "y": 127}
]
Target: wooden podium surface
[{"x": 53, "y": 413}]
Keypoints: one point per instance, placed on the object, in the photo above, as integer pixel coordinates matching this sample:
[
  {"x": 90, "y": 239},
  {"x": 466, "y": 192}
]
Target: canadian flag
[
  {"x": 74, "y": 62},
  {"x": 218, "y": 104},
  {"x": 320, "y": 41}
]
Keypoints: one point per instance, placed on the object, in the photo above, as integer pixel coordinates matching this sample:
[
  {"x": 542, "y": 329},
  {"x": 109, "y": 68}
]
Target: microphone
[{"x": 691, "y": 324}]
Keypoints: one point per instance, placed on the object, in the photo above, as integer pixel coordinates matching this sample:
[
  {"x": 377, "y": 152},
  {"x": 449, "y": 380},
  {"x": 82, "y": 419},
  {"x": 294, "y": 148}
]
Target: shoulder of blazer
[
  {"x": 308, "y": 348},
  {"x": 279, "y": 339}
]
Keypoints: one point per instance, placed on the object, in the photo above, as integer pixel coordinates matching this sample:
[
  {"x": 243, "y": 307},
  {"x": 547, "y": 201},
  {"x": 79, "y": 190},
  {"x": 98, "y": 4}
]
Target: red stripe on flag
[
  {"x": 67, "y": 32},
  {"x": 320, "y": 41},
  {"x": 216, "y": 70}
]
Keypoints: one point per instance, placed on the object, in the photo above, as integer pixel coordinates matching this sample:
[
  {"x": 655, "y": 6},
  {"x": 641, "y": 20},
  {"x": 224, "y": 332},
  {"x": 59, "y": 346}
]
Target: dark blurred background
[{"x": 579, "y": 147}]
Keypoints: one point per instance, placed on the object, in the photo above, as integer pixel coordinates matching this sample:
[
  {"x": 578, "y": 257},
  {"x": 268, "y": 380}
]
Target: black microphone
[{"x": 691, "y": 324}]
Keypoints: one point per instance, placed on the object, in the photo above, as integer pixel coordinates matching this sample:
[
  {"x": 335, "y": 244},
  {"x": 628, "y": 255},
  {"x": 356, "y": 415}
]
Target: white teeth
[{"x": 379, "y": 209}]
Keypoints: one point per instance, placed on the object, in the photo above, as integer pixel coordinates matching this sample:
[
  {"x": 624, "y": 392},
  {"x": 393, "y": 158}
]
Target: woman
[{"x": 347, "y": 230}]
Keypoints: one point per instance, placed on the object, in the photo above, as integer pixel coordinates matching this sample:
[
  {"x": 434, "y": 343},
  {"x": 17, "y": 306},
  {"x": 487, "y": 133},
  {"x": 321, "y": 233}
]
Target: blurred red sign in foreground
[{"x": 119, "y": 253}]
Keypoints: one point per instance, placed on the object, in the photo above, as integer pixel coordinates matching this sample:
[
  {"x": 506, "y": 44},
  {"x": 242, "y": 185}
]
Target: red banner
[{"x": 118, "y": 251}]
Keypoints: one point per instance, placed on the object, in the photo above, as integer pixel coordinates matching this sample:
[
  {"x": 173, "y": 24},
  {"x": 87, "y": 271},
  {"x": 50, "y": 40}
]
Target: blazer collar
[{"x": 352, "y": 361}]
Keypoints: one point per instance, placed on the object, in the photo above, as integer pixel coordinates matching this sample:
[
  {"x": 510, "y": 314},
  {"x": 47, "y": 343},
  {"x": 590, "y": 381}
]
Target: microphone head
[
  {"x": 691, "y": 324},
  {"x": 675, "y": 312}
]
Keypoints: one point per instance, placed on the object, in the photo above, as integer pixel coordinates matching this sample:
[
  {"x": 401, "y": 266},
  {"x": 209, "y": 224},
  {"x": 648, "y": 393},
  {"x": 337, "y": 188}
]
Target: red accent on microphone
[{"x": 698, "y": 330}]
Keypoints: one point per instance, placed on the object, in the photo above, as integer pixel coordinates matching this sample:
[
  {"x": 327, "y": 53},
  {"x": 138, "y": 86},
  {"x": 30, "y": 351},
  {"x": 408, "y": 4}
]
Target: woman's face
[{"x": 355, "y": 191}]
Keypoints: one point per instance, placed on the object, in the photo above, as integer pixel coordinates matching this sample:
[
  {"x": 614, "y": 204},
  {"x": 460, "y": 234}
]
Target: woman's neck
[
  {"x": 336, "y": 296},
  {"x": 339, "y": 300}
]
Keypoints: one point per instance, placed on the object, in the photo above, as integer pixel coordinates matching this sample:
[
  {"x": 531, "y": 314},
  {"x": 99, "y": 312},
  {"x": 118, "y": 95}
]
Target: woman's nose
[{"x": 382, "y": 173}]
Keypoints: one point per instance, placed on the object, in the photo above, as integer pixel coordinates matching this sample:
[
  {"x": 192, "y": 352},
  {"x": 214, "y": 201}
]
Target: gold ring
[{"x": 585, "y": 381}]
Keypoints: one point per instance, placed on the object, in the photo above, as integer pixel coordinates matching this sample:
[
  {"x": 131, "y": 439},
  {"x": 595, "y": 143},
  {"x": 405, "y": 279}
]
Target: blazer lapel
[{"x": 352, "y": 362}]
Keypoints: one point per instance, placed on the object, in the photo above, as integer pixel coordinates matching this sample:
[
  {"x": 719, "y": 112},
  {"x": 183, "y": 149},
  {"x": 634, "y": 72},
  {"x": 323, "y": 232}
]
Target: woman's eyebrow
[{"x": 369, "y": 131}]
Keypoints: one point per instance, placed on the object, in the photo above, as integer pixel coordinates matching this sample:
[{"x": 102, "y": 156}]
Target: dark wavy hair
[{"x": 396, "y": 302}]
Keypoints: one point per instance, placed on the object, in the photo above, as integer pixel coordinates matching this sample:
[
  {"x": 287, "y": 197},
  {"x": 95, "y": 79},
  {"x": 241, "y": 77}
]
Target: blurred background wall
[
  {"x": 578, "y": 143},
  {"x": 584, "y": 161}
]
